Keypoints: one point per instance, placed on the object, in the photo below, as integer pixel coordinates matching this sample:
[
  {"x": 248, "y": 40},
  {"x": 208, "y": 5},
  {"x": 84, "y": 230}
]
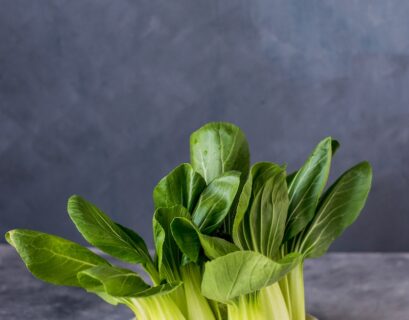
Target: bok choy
[{"x": 230, "y": 239}]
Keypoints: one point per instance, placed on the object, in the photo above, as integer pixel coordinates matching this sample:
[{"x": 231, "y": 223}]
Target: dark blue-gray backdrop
[{"x": 99, "y": 97}]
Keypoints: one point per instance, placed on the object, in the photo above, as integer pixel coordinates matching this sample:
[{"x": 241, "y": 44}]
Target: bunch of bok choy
[{"x": 230, "y": 239}]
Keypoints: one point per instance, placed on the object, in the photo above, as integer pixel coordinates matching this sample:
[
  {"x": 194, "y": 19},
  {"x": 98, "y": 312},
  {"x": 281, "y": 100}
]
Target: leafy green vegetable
[
  {"x": 99, "y": 230},
  {"x": 306, "y": 188},
  {"x": 182, "y": 186},
  {"x": 189, "y": 239},
  {"x": 215, "y": 202},
  {"x": 243, "y": 272},
  {"x": 262, "y": 210},
  {"x": 338, "y": 209},
  {"x": 52, "y": 259},
  {"x": 230, "y": 241},
  {"x": 215, "y": 247},
  {"x": 157, "y": 290},
  {"x": 114, "y": 281},
  {"x": 217, "y": 148},
  {"x": 169, "y": 255}
]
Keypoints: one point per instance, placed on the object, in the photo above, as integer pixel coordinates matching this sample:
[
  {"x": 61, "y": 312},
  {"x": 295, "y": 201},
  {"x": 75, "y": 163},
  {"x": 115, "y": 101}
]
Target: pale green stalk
[
  {"x": 157, "y": 307},
  {"x": 268, "y": 303},
  {"x": 273, "y": 303},
  {"x": 292, "y": 286},
  {"x": 285, "y": 290},
  {"x": 245, "y": 308},
  {"x": 198, "y": 307}
]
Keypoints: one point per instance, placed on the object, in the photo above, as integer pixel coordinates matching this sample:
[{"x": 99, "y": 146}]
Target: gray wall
[{"x": 99, "y": 97}]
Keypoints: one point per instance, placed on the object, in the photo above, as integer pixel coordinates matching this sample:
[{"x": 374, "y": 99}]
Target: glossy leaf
[
  {"x": 215, "y": 202},
  {"x": 114, "y": 281},
  {"x": 168, "y": 253},
  {"x": 51, "y": 258},
  {"x": 186, "y": 237},
  {"x": 219, "y": 147},
  {"x": 190, "y": 240},
  {"x": 241, "y": 273},
  {"x": 262, "y": 210},
  {"x": 306, "y": 187},
  {"x": 182, "y": 186},
  {"x": 339, "y": 208},
  {"x": 334, "y": 147},
  {"x": 100, "y": 231}
]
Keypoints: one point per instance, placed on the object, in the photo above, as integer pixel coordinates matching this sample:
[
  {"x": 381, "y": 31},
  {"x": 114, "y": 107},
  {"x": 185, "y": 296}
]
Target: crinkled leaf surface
[
  {"x": 215, "y": 202},
  {"x": 306, "y": 187},
  {"x": 241, "y": 273},
  {"x": 114, "y": 281},
  {"x": 339, "y": 208},
  {"x": 262, "y": 210},
  {"x": 100, "y": 231},
  {"x": 51, "y": 258},
  {"x": 182, "y": 186}
]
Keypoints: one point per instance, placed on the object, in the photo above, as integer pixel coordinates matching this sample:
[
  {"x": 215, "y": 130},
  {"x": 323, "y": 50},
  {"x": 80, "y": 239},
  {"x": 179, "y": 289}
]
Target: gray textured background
[{"x": 99, "y": 98}]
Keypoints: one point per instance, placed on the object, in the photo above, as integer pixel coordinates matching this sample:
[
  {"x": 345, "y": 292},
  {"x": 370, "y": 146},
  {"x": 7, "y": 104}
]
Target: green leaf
[
  {"x": 262, "y": 210},
  {"x": 100, "y": 231},
  {"x": 219, "y": 147},
  {"x": 111, "y": 283},
  {"x": 168, "y": 253},
  {"x": 158, "y": 290},
  {"x": 51, "y": 258},
  {"x": 182, "y": 186},
  {"x": 190, "y": 239},
  {"x": 334, "y": 146},
  {"x": 243, "y": 272},
  {"x": 215, "y": 247},
  {"x": 187, "y": 238},
  {"x": 338, "y": 209},
  {"x": 116, "y": 282},
  {"x": 107, "y": 298},
  {"x": 290, "y": 177},
  {"x": 215, "y": 202},
  {"x": 306, "y": 188}
]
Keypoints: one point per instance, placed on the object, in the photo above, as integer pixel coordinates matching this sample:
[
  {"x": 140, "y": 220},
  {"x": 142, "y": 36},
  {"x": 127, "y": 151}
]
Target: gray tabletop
[{"x": 364, "y": 286}]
